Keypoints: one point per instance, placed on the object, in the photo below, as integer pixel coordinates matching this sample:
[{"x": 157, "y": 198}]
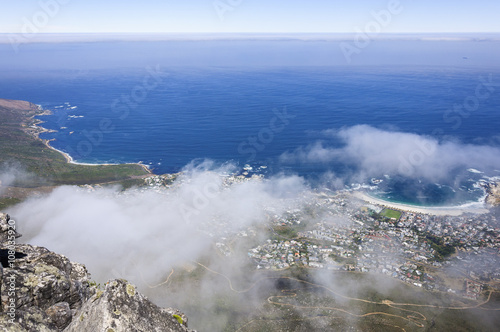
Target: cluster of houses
[
  {"x": 395, "y": 247},
  {"x": 336, "y": 232},
  {"x": 464, "y": 231}
]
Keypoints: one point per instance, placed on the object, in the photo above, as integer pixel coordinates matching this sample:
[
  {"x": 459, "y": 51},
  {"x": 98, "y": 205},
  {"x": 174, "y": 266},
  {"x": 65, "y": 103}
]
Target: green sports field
[{"x": 388, "y": 213}]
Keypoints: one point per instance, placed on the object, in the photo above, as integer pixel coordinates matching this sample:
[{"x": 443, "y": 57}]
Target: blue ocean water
[{"x": 147, "y": 107}]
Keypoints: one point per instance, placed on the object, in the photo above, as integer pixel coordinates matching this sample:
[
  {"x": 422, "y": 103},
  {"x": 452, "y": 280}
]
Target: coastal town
[
  {"x": 341, "y": 231},
  {"x": 414, "y": 248}
]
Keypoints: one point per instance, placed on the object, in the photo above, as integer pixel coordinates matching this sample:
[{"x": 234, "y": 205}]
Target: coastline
[
  {"x": 430, "y": 210},
  {"x": 70, "y": 159},
  {"x": 37, "y": 124}
]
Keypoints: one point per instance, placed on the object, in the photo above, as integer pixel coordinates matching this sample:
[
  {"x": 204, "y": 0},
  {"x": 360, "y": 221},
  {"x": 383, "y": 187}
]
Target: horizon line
[
  {"x": 250, "y": 33},
  {"x": 64, "y": 37}
]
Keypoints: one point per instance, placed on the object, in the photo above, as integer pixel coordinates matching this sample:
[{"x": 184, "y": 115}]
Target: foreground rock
[
  {"x": 41, "y": 290},
  {"x": 121, "y": 308},
  {"x": 45, "y": 291}
]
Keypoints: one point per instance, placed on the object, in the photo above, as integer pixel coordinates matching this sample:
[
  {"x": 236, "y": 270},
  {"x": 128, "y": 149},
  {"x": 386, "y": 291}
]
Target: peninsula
[{"x": 43, "y": 167}]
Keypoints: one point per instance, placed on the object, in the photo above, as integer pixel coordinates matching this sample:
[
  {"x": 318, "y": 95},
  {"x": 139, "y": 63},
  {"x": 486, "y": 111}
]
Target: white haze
[
  {"x": 374, "y": 152},
  {"x": 6, "y": 179},
  {"x": 10, "y": 173},
  {"x": 142, "y": 234}
]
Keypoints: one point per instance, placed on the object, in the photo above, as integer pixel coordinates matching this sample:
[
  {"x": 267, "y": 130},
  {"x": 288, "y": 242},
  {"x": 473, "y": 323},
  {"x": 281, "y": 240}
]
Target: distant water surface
[{"x": 138, "y": 103}]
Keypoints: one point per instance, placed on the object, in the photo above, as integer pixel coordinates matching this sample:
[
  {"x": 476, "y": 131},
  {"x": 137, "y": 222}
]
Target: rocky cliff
[
  {"x": 45, "y": 291},
  {"x": 493, "y": 193}
]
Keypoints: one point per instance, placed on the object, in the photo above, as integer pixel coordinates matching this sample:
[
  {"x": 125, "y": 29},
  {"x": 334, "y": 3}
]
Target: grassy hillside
[{"x": 19, "y": 149}]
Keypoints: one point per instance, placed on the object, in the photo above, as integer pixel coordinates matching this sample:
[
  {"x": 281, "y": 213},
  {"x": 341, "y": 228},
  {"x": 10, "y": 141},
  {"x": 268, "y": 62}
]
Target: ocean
[{"x": 277, "y": 106}]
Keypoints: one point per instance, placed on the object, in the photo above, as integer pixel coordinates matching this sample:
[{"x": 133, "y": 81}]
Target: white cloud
[
  {"x": 374, "y": 152},
  {"x": 144, "y": 233}
]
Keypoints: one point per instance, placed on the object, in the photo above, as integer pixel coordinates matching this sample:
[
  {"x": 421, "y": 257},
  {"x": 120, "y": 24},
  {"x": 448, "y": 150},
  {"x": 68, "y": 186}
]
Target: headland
[{"x": 35, "y": 164}]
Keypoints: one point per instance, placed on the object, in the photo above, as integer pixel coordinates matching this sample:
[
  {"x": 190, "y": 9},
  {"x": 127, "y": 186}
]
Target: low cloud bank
[
  {"x": 159, "y": 239},
  {"x": 142, "y": 234},
  {"x": 373, "y": 152}
]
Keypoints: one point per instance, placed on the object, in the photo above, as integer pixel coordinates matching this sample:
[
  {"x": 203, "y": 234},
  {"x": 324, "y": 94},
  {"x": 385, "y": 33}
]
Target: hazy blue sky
[{"x": 245, "y": 15}]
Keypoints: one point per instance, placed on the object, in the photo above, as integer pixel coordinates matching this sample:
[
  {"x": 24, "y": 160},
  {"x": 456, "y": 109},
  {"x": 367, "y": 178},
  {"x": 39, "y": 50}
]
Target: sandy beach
[
  {"x": 68, "y": 158},
  {"x": 476, "y": 208}
]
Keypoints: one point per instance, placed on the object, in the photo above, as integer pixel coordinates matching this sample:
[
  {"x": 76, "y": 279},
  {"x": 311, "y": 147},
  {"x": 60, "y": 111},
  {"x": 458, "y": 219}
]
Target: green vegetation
[
  {"x": 388, "y": 213},
  {"x": 129, "y": 183},
  {"x": 93, "y": 283},
  {"x": 47, "y": 167},
  {"x": 385, "y": 215},
  {"x": 343, "y": 260},
  {"x": 5, "y": 202},
  {"x": 442, "y": 250},
  {"x": 287, "y": 232},
  {"x": 179, "y": 319}
]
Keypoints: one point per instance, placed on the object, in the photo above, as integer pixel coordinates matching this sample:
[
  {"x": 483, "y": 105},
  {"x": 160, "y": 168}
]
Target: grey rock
[
  {"x": 42, "y": 291},
  {"x": 493, "y": 193},
  {"x": 27, "y": 319},
  {"x": 40, "y": 282},
  {"x": 59, "y": 314},
  {"x": 119, "y": 307},
  {"x": 177, "y": 314},
  {"x": 43, "y": 278},
  {"x": 5, "y": 227}
]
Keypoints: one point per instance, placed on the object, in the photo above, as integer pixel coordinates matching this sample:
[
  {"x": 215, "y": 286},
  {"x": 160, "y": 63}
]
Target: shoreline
[
  {"x": 37, "y": 123},
  {"x": 430, "y": 210}
]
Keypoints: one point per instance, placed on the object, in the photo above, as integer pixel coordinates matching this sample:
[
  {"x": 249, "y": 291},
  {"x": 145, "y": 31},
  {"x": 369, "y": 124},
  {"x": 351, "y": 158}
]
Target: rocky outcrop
[
  {"x": 493, "y": 193},
  {"x": 45, "y": 291},
  {"x": 5, "y": 227},
  {"x": 41, "y": 290},
  {"x": 119, "y": 307}
]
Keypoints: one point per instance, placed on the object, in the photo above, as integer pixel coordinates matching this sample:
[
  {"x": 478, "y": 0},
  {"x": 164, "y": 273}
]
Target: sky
[{"x": 248, "y": 16}]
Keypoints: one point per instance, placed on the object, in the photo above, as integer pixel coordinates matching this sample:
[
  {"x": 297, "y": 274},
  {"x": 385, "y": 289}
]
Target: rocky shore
[
  {"x": 33, "y": 127},
  {"x": 45, "y": 291},
  {"x": 34, "y": 165},
  {"x": 28, "y": 111},
  {"x": 493, "y": 193}
]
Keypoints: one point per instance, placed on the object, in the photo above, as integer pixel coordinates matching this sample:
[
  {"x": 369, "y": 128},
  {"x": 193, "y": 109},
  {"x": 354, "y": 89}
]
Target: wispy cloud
[
  {"x": 11, "y": 173},
  {"x": 144, "y": 229},
  {"x": 371, "y": 151}
]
